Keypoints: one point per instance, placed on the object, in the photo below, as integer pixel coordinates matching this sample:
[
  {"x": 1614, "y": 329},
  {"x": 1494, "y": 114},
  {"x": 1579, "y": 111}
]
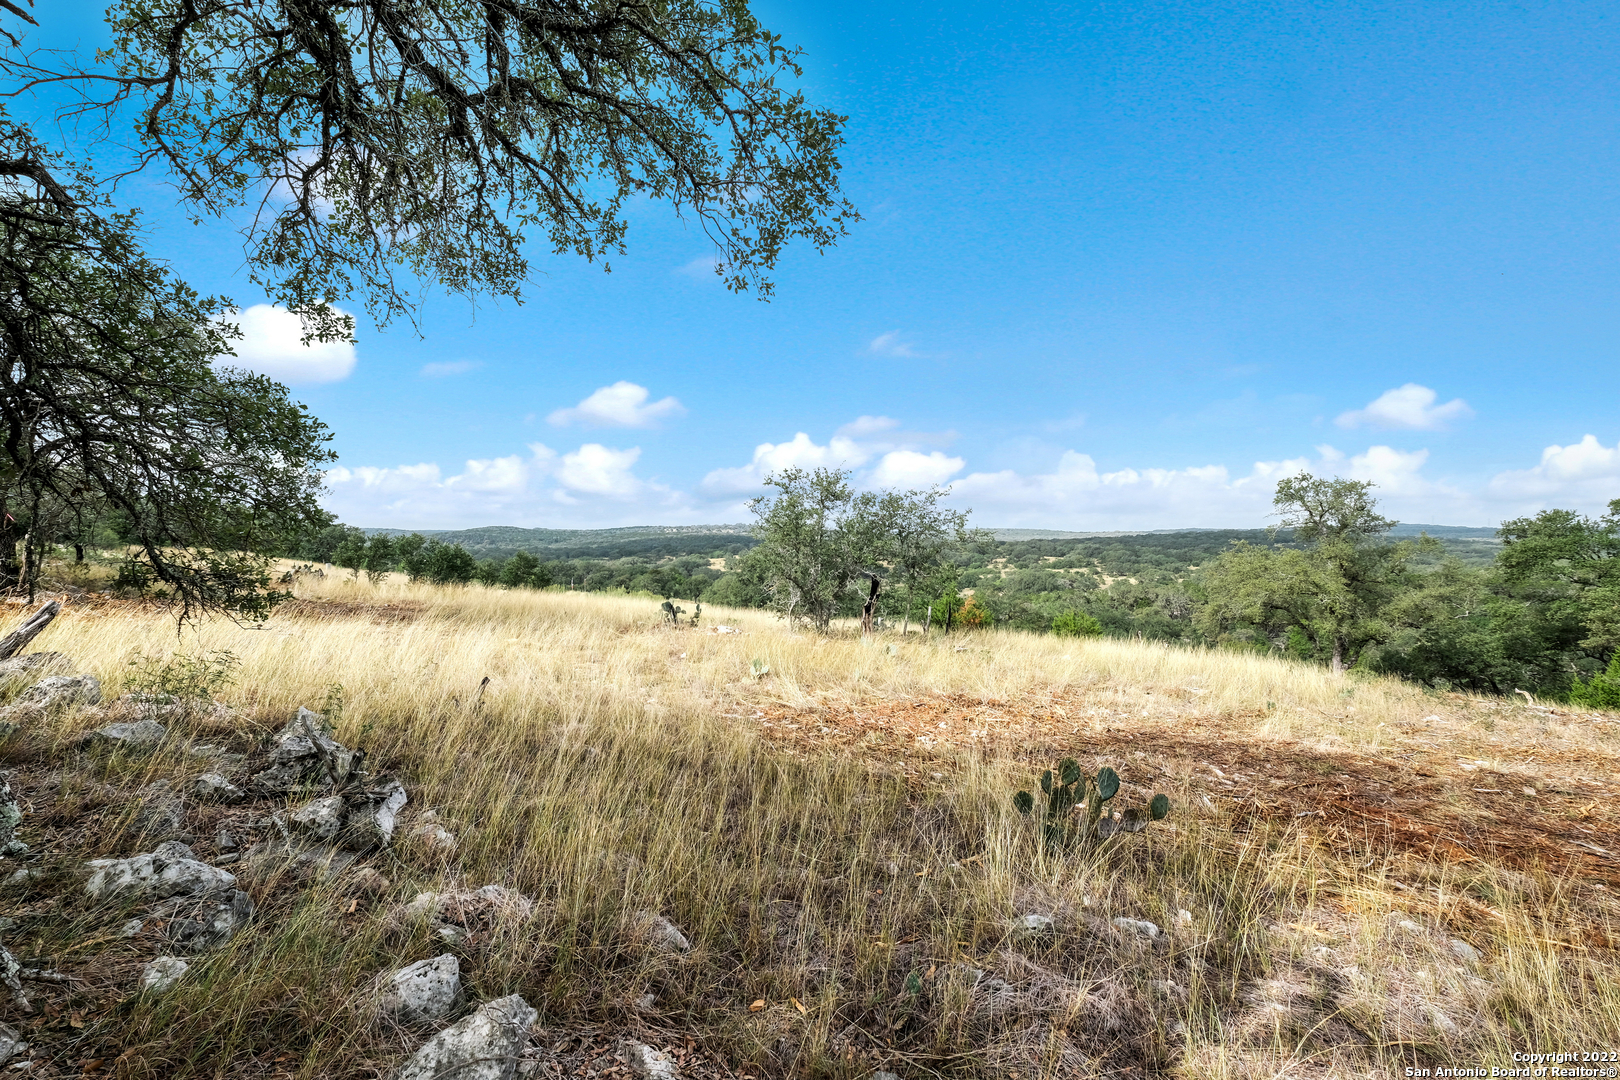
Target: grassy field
[{"x": 1356, "y": 876}]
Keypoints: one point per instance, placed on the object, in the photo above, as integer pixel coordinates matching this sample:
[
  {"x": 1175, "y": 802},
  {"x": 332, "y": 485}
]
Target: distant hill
[
  {"x": 1473, "y": 543},
  {"x": 648, "y": 541}
]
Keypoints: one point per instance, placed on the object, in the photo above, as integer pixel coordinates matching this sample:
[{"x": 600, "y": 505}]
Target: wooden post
[{"x": 927, "y": 620}]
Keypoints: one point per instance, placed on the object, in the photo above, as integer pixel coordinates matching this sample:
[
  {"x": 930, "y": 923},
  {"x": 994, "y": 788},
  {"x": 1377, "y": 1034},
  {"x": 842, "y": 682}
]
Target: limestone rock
[
  {"x": 662, "y": 934},
  {"x": 216, "y": 788},
  {"x": 160, "y": 976},
  {"x": 12, "y": 1044},
  {"x": 373, "y": 814},
  {"x": 432, "y": 835},
  {"x": 648, "y": 1063},
  {"x": 33, "y": 665},
  {"x": 1465, "y": 952},
  {"x": 421, "y": 992},
  {"x": 1033, "y": 925},
  {"x": 305, "y": 752},
  {"x": 484, "y": 1046},
  {"x": 1140, "y": 927},
  {"x": 138, "y": 735},
  {"x": 170, "y": 870},
  {"x": 10, "y": 818},
  {"x": 320, "y": 819},
  {"x": 62, "y": 691}
]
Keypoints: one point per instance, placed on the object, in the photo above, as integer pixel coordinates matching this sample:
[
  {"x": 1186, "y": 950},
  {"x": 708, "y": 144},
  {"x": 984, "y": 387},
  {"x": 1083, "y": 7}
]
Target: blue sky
[{"x": 1122, "y": 266}]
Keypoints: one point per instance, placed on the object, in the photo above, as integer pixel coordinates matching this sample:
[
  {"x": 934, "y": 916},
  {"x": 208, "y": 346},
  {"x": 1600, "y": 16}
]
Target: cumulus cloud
[
  {"x": 1583, "y": 475},
  {"x": 598, "y": 480},
  {"x": 890, "y": 344},
  {"x": 911, "y": 469},
  {"x": 272, "y": 344},
  {"x": 1079, "y": 496},
  {"x": 624, "y": 404},
  {"x": 1407, "y": 408},
  {"x": 439, "y": 369},
  {"x": 598, "y": 470},
  {"x": 800, "y": 452}
]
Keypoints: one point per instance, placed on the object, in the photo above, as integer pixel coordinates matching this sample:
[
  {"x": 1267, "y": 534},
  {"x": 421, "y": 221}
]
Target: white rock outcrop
[
  {"x": 648, "y": 1063},
  {"x": 421, "y": 992},
  {"x": 161, "y": 975},
  {"x": 61, "y": 691},
  {"x": 170, "y": 870},
  {"x": 484, "y": 1046}
]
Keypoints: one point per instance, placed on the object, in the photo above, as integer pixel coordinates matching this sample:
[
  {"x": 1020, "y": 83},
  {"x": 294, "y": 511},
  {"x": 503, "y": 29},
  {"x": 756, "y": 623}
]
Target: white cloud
[
  {"x": 864, "y": 427},
  {"x": 890, "y": 344},
  {"x": 1078, "y": 496},
  {"x": 272, "y": 344},
  {"x": 624, "y": 404},
  {"x": 910, "y": 469},
  {"x": 438, "y": 369},
  {"x": 595, "y": 482},
  {"x": 598, "y": 470},
  {"x": 509, "y": 474},
  {"x": 800, "y": 452},
  {"x": 1583, "y": 475},
  {"x": 1407, "y": 408}
]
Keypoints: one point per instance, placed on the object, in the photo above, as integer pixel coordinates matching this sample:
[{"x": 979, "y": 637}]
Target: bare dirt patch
[{"x": 1526, "y": 807}]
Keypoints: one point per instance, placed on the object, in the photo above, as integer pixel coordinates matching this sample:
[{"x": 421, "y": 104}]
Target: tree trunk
[
  {"x": 12, "y": 643},
  {"x": 869, "y": 608},
  {"x": 928, "y": 621},
  {"x": 78, "y": 553},
  {"x": 10, "y": 572},
  {"x": 29, "y": 570},
  {"x": 1338, "y": 655}
]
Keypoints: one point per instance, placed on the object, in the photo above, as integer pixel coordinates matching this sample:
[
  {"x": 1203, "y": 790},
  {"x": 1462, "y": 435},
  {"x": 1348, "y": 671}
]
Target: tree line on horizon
[{"x": 1328, "y": 584}]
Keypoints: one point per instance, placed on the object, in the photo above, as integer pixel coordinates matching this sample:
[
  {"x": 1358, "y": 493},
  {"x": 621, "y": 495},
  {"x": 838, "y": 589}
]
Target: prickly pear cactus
[{"x": 1075, "y": 805}]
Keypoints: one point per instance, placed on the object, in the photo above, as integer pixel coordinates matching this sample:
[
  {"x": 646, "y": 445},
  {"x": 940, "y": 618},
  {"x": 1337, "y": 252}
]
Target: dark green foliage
[
  {"x": 113, "y": 409},
  {"x": 1601, "y": 691},
  {"x": 1076, "y": 624},
  {"x": 1074, "y": 804}
]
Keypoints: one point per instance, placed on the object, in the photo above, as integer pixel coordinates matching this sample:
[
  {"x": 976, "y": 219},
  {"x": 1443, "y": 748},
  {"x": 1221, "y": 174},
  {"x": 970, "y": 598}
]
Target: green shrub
[
  {"x": 1600, "y": 691},
  {"x": 1076, "y": 624}
]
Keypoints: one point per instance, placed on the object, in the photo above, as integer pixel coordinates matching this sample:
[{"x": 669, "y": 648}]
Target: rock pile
[{"x": 201, "y": 905}]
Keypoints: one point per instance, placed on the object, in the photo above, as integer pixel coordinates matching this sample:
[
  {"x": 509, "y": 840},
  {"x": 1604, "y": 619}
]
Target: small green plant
[
  {"x": 673, "y": 613},
  {"x": 1074, "y": 806},
  {"x": 1601, "y": 691},
  {"x": 697, "y": 612},
  {"x": 180, "y": 678},
  {"x": 760, "y": 668},
  {"x": 1076, "y": 624}
]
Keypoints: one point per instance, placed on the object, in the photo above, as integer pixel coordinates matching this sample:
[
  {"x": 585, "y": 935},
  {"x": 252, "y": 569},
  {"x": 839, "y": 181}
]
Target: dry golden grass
[{"x": 837, "y": 840}]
